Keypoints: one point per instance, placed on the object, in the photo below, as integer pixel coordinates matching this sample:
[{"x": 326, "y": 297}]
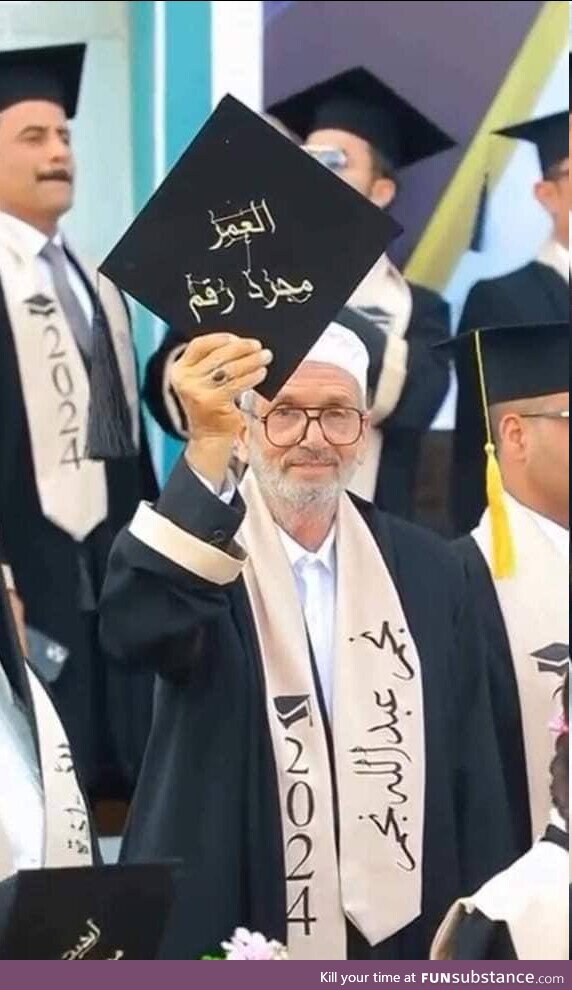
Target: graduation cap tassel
[
  {"x": 109, "y": 430},
  {"x": 478, "y": 235},
  {"x": 504, "y": 560}
]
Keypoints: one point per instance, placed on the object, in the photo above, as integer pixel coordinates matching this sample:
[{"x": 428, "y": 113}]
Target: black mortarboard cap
[
  {"x": 52, "y": 74},
  {"x": 249, "y": 234},
  {"x": 357, "y": 102},
  {"x": 85, "y": 912},
  {"x": 521, "y": 362},
  {"x": 549, "y": 134}
]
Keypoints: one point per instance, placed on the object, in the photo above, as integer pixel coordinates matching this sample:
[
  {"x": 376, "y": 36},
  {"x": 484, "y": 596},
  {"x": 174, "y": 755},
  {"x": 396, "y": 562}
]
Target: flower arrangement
[{"x": 247, "y": 945}]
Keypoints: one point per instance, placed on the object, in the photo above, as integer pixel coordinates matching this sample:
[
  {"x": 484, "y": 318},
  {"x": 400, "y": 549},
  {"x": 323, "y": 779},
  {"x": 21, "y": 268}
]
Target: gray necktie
[{"x": 74, "y": 314}]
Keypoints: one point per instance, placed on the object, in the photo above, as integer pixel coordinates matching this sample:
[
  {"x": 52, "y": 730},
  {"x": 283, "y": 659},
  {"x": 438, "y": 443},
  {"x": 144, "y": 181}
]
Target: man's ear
[
  {"x": 383, "y": 192},
  {"x": 545, "y": 194}
]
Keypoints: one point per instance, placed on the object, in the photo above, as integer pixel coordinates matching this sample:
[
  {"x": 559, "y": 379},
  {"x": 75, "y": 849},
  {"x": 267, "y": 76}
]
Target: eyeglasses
[
  {"x": 560, "y": 414},
  {"x": 287, "y": 426}
]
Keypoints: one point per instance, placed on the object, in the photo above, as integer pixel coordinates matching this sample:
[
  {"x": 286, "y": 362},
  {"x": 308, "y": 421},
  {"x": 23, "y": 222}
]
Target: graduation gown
[
  {"x": 208, "y": 792},
  {"x": 521, "y": 914},
  {"x": 14, "y": 667},
  {"x": 533, "y": 294},
  {"x": 422, "y": 391},
  {"x": 105, "y": 716}
]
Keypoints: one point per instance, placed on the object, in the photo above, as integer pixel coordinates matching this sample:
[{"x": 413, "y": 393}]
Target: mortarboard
[
  {"x": 553, "y": 658},
  {"x": 549, "y": 134},
  {"x": 108, "y": 912},
  {"x": 249, "y": 234},
  {"x": 522, "y": 361},
  {"x": 357, "y": 102},
  {"x": 52, "y": 74}
]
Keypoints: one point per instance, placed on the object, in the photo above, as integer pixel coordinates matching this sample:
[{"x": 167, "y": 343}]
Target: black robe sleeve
[
  {"x": 477, "y": 937},
  {"x": 503, "y": 688},
  {"x": 171, "y": 632}
]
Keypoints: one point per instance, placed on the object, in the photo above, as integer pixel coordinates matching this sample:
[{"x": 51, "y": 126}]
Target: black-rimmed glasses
[{"x": 287, "y": 426}]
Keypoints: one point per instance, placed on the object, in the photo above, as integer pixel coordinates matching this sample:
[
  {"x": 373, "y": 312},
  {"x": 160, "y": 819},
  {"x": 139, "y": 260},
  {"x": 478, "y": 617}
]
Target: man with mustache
[
  {"x": 322, "y": 756},
  {"x": 59, "y": 510}
]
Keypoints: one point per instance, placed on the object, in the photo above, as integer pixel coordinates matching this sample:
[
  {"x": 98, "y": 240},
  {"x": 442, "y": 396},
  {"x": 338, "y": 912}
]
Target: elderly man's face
[
  {"x": 36, "y": 162},
  {"x": 318, "y": 466}
]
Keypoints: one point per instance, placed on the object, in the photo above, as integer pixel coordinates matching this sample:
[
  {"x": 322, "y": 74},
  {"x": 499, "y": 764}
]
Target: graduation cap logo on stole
[
  {"x": 553, "y": 659},
  {"x": 293, "y": 708}
]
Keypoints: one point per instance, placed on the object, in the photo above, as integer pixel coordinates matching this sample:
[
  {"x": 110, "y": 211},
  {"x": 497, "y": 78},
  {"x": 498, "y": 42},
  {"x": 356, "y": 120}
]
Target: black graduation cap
[
  {"x": 358, "y": 102},
  {"x": 108, "y": 912},
  {"x": 52, "y": 74},
  {"x": 521, "y": 361},
  {"x": 549, "y": 134},
  {"x": 249, "y": 234},
  {"x": 553, "y": 658}
]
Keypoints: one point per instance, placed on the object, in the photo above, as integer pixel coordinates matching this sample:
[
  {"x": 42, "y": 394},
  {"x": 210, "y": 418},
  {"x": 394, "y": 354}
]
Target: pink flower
[{"x": 253, "y": 945}]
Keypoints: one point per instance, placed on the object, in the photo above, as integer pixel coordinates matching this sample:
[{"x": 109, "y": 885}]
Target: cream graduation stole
[
  {"x": 534, "y": 606},
  {"x": 378, "y": 738}
]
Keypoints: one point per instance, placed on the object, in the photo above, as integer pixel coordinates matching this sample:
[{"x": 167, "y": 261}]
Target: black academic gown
[
  {"x": 207, "y": 794},
  {"x": 425, "y": 388},
  {"x": 502, "y": 684},
  {"x": 106, "y": 716},
  {"x": 533, "y": 294},
  {"x": 13, "y": 665},
  {"x": 477, "y": 937}
]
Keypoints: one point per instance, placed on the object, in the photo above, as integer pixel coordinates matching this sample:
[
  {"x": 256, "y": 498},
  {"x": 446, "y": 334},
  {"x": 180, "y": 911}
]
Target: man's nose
[{"x": 314, "y": 436}]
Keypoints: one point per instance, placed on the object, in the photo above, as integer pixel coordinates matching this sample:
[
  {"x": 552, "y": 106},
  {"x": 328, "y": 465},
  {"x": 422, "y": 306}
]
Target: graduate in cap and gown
[
  {"x": 322, "y": 756},
  {"x": 44, "y": 818},
  {"x": 367, "y": 134},
  {"x": 537, "y": 293},
  {"x": 65, "y": 347},
  {"x": 517, "y": 559},
  {"x": 523, "y": 913}
]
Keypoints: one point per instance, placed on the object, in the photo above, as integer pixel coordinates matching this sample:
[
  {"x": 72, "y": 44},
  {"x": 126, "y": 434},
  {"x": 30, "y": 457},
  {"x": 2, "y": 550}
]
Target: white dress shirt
[
  {"x": 555, "y": 255},
  {"x": 21, "y": 795},
  {"x": 315, "y": 577},
  {"x": 34, "y": 240}
]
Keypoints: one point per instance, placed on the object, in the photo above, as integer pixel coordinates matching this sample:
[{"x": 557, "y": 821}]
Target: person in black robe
[
  {"x": 174, "y": 601},
  {"x": 26, "y": 750},
  {"x": 367, "y": 134},
  {"x": 522, "y": 604},
  {"x": 58, "y": 571},
  {"x": 524, "y": 912},
  {"x": 536, "y": 293}
]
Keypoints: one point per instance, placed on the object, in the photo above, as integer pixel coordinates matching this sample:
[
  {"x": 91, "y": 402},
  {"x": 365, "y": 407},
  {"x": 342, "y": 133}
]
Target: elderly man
[{"x": 321, "y": 755}]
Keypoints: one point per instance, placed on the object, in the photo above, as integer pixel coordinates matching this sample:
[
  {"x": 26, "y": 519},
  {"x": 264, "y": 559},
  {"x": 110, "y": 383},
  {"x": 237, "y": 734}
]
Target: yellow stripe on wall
[{"x": 448, "y": 233}]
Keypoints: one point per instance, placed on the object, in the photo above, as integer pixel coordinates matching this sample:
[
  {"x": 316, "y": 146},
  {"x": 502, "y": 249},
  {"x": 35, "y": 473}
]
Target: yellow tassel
[
  {"x": 504, "y": 561},
  {"x": 504, "y": 556}
]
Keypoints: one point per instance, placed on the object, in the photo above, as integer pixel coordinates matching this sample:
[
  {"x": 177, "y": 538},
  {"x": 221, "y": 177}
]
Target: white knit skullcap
[{"x": 342, "y": 347}]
